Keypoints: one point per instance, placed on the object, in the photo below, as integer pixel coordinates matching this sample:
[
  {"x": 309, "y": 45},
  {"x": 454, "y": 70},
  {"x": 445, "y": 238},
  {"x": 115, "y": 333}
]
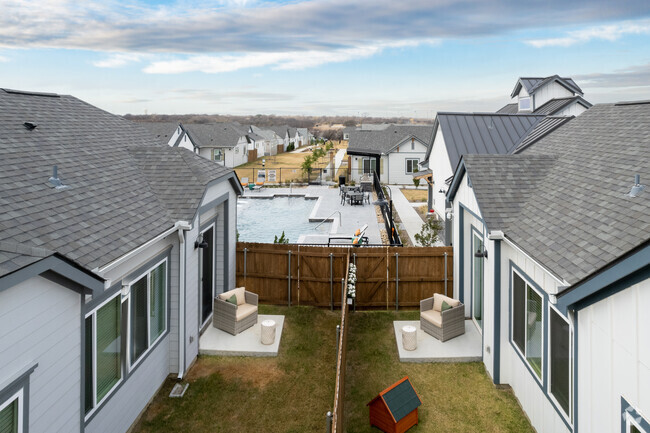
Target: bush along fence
[
  {"x": 336, "y": 417},
  {"x": 387, "y": 277}
]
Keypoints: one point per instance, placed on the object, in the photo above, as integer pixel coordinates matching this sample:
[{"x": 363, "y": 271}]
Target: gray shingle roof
[
  {"x": 264, "y": 134},
  {"x": 14, "y": 256},
  {"x": 162, "y": 130},
  {"x": 578, "y": 218},
  {"x": 509, "y": 109},
  {"x": 543, "y": 128},
  {"x": 483, "y": 133},
  {"x": 110, "y": 206},
  {"x": 384, "y": 140},
  {"x": 224, "y": 134},
  {"x": 281, "y": 130},
  {"x": 554, "y": 105}
]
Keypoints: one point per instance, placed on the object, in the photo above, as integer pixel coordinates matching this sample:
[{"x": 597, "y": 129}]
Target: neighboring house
[
  {"x": 552, "y": 95},
  {"x": 393, "y": 152},
  {"x": 457, "y": 134},
  {"x": 268, "y": 139},
  {"x": 282, "y": 131},
  {"x": 168, "y": 133},
  {"x": 305, "y": 136},
  {"x": 226, "y": 143},
  {"x": 347, "y": 131},
  {"x": 103, "y": 294},
  {"x": 552, "y": 261}
]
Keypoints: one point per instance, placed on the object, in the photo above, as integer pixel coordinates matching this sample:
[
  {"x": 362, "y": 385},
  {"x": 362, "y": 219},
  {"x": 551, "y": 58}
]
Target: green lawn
[
  {"x": 292, "y": 393},
  {"x": 455, "y": 397}
]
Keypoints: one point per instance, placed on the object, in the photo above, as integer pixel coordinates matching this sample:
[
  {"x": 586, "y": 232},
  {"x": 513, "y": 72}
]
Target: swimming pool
[{"x": 260, "y": 220}]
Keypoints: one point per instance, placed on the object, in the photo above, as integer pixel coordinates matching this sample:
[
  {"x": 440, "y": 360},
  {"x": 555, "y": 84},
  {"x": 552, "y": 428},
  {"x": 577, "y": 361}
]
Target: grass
[
  {"x": 415, "y": 195},
  {"x": 455, "y": 397},
  {"x": 290, "y": 393}
]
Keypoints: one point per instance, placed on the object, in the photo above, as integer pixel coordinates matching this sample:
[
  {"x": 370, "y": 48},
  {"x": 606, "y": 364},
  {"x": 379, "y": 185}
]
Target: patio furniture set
[
  {"x": 440, "y": 316},
  {"x": 236, "y": 310},
  {"x": 354, "y": 195}
]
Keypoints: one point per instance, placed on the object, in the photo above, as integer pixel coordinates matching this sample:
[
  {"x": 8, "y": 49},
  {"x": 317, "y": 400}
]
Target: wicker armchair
[
  {"x": 235, "y": 318},
  {"x": 442, "y": 325}
]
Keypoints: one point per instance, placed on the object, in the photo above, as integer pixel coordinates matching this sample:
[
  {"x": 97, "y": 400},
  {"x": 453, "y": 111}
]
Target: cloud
[
  {"x": 633, "y": 76},
  {"x": 293, "y": 60},
  {"x": 211, "y": 96},
  {"x": 240, "y": 26},
  {"x": 610, "y": 33},
  {"x": 4, "y": 59},
  {"x": 117, "y": 60}
]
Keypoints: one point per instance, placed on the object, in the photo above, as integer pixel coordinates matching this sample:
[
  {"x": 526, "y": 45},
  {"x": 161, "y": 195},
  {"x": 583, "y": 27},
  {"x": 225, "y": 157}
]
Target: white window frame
[
  {"x": 629, "y": 422},
  {"x": 540, "y": 380},
  {"x": 568, "y": 417},
  {"x": 93, "y": 313},
  {"x": 530, "y": 103},
  {"x": 18, "y": 396},
  {"x": 221, "y": 155},
  {"x": 146, "y": 274},
  {"x": 417, "y": 164}
]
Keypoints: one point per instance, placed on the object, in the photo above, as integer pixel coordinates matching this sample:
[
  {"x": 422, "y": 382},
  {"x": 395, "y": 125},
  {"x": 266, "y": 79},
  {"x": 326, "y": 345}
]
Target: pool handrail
[{"x": 328, "y": 219}]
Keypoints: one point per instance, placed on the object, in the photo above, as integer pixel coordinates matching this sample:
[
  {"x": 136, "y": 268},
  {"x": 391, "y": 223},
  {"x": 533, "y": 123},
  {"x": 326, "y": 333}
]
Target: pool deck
[{"x": 345, "y": 219}]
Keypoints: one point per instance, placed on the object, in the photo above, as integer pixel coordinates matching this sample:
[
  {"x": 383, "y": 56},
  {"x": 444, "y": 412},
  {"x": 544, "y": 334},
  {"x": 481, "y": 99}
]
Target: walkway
[{"x": 411, "y": 221}]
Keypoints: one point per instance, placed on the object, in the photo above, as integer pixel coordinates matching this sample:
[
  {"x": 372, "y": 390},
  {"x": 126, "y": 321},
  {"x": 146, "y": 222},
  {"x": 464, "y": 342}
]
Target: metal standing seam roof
[
  {"x": 483, "y": 133},
  {"x": 509, "y": 109},
  {"x": 554, "y": 105},
  {"x": 575, "y": 217},
  {"x": 532, "y": 84},
  {"x": 115, "y": 200},
  {"x": 383, "y": 141},
  {"x": 543, "y": 128}
]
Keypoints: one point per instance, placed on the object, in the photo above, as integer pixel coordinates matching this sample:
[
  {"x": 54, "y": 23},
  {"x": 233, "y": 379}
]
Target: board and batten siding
[
  {"x": 574, "y": 109},
  {"x": 514, "y": 371},
  {"x": 614, "y": 358},
  {"x": 442, "y": 170},
  {"x": 552, "y": 90},
  {"x": 397, "y": 162},
  {"x": 40, "y": 323}
]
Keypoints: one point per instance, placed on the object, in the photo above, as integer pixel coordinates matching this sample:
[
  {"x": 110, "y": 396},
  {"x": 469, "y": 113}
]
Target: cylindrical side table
[
  {"x": 268, "y": 331},
  {"x": 410, "y": 338}
]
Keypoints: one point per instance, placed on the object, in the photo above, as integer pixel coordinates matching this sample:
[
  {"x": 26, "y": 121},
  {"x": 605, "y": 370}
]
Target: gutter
[
  {"x": 181, "y": 297},
  {"x": 101, "y": 271}
]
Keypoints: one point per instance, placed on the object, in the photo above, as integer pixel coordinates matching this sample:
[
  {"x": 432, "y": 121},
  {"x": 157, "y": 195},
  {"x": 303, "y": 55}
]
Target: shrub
[
  {"x": 291, "y": 147},
  {"x": 430, "y": 232},
  {"x": 281, "y": 240},
  {"x": 416, "y": 182}
]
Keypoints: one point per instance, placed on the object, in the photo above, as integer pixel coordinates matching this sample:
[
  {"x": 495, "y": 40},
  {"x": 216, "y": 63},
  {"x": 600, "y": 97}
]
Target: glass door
[
  {"x": 477, "y": 281},
  {"x": 207, "y": 275}
]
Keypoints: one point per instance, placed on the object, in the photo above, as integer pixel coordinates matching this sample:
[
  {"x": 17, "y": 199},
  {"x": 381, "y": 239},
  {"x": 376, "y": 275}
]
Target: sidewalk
[{"x": 410, "y": 218}]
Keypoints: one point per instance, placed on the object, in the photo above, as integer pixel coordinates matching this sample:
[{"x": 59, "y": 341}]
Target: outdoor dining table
[{"x": 355, "y": 197}]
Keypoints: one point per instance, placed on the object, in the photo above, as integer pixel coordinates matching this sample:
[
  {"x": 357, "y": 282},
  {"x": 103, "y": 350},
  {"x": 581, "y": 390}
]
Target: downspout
[{"x": 181, "y": 298}]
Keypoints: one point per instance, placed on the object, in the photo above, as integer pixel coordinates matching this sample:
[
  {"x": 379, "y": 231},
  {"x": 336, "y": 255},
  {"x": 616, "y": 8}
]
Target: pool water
[{"x": 260, "y": 220}]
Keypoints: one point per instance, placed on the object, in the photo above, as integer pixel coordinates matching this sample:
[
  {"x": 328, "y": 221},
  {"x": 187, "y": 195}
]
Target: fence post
[
  {"x": 328, "y": 428},
  {"x": 331, "y": 283},
  {"x": 396, "y": 281},
  {"x": 446, "y": 273},
  {"x": 343, "y": 293},
  {"x": 245, "y": 251},
  {"x": 289, "y": 281},
  {"x": 338, "y": 336}
]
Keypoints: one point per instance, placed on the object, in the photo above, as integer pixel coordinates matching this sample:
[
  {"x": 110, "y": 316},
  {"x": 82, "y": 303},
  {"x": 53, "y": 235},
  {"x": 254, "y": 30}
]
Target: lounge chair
[
  {"x": 359, "y": 236},
  {"x": 235, "y": 317},
  {"x": 446, "y": 324},
  {"x": 244, "y": 182}
]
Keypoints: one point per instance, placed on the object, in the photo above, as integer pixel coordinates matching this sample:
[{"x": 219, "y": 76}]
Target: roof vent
[
  {"x": 30, "y": 126},
  {"x": 55, "y": 181},
  {"x": 637, "y": 188}
]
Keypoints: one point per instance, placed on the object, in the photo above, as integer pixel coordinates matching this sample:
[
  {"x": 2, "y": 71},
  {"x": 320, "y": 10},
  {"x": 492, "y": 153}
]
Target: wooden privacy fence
[
  {"x": 339, "y": 387},
  {"x": 387, "y": 277}
]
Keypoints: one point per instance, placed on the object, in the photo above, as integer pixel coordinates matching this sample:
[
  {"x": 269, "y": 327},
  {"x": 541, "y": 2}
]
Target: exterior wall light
[
  {"x": 200, "y": 242},
  {"x": 480, "y": 253}
]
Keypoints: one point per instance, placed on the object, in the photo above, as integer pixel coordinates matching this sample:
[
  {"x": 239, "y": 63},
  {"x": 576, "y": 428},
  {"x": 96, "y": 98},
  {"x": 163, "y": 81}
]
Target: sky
[{"x": 408, "y": 58}]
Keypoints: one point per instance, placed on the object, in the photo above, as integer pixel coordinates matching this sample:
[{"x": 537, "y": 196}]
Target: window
[
  {"x": 634, "y": 423},
  {"x": 477, "y": 280},
  {"x": 527, "y": 326},
  {"x": 11, "y": 414},
  {"x": 237, "y": 149},
  {"x": 412, "y": 165},
  {"x": 369, "y": 165},
  {"x": 103, "y": 351},
  {"x": 147, "y": 311},
  {"x": 217, "y": 155},
  {"x": 524, "y": 103},
  {"x": 560, "y": 360}
]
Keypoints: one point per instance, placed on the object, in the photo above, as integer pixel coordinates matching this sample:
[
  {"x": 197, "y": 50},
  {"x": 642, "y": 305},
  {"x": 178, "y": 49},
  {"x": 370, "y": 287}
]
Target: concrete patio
[
  {"x": 464, "y": 348},
  {"x": 248, "y": 343}
]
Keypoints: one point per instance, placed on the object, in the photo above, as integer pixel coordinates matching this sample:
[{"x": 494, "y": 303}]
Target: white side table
[
  {"x": 410, "y": 338},
  {"x": 268, "y": 331}
]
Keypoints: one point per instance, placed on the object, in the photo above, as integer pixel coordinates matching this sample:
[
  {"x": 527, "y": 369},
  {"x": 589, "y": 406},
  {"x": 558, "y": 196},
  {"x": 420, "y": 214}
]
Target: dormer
[{"x": 531, "y": 93}]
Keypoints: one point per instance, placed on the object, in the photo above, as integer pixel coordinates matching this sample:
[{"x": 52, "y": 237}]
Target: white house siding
[
  {"x": 614, "y": 358},
  {"x": 185, "y": 142},
  {"x": 40, "y": 323},
  {"x": 119, "y": 412},
  {"x": 574, "y": 109},
  {"x": 397, "y": 162},
  {"x": 514, "y": 372},
  {"x": 357, "y": 168},
  {"x": 441, "y": 170},
  {"x": 550, "y": 91}
]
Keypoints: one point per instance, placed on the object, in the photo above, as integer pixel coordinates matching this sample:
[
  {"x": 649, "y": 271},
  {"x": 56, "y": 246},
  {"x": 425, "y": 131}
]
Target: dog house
[{"x": 395, "y": 409}]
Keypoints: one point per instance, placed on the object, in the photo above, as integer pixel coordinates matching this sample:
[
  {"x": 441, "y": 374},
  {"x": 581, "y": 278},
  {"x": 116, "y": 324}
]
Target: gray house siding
[
  {"x": 191, "y": 296},
  {"x": 39, "y": 323}
]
